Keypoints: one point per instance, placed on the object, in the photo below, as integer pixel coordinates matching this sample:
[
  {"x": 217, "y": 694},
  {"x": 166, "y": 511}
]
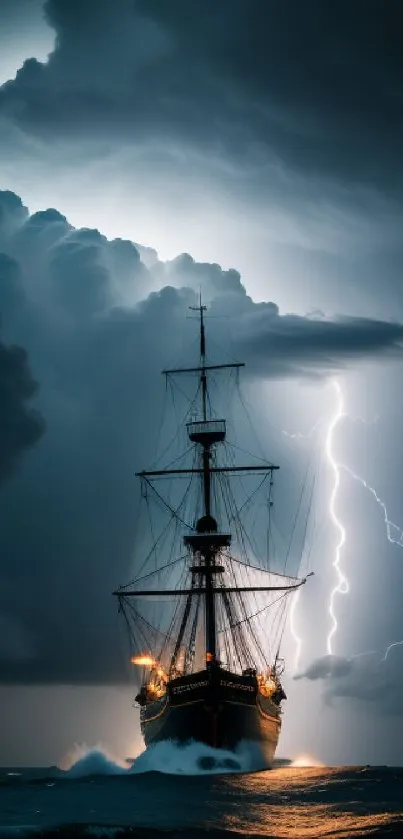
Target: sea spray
[
  {"x": 83, "y": 761},
  {"x": 195, "y": 758},
  {"x": 167, "y": 757}
]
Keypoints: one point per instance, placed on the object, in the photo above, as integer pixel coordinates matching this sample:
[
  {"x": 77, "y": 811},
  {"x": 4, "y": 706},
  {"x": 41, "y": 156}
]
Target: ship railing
[{"x": 207, "y": 432}]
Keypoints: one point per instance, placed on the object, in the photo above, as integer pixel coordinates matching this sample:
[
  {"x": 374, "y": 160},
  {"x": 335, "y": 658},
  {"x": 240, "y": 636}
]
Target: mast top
[
  {"x": 201, "y": 308},
  {"x": 203, "y": 367}
]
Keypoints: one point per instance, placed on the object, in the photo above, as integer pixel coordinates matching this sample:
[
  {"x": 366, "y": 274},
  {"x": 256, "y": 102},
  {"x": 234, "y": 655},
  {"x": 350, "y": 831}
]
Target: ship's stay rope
[
  {"x": 257, "y": 567},
  {"x": 161, "y": 568},
  {"x": 167, "y": 505},
  {"x": 182, "y": 420},
  {"x": 255, "y": 614},
  {"x": 297, "y": 513}
]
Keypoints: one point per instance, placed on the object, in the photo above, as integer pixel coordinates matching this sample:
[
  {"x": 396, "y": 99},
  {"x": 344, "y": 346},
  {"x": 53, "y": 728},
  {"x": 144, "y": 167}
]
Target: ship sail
[{"x": 207, "y": 603}]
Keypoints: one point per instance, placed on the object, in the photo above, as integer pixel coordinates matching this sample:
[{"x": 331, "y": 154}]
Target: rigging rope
[
  {"x": 297, "y": 515},
  {"x": 255, "y": 614},
  {"x": 165, "y": 503}
]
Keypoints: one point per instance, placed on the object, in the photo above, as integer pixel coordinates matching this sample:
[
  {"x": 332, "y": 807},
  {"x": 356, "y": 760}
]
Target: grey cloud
[
  {"x": 326, "y": 667},
  {"x": 314, "y": 85},
  {"x": 11, "y": 290},
  {"x": 370, "y": 677},
  {"x": 285, "y": 345},
  {"x": 99, "y": 325},
  {"x": 12, "y": 213}
]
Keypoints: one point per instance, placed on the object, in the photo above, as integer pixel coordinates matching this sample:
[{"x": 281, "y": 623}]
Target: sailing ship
[{"x": 210, "y": 673}]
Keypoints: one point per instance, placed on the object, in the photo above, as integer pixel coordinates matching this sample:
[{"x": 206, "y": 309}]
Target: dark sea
[{"x": 198, "y": 792}]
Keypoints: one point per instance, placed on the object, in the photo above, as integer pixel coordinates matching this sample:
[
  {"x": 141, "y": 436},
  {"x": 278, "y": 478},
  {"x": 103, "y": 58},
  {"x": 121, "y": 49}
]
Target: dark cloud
[
  {"x": 263, "y": 134},
  {"x": 369, "y": 678},
  {"x": 20, "y": 426},
  {"x": 12, "y": 213},
  {"x": 292, "y": 345},
  {"x": 99, "y": 324},
  {"x": 314, "y": 85},
  {"x": 326, "y": 667}
]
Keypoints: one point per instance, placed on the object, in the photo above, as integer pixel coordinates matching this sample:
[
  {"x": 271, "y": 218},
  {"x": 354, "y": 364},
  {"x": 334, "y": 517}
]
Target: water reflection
[{"x": 318, "y": 802}]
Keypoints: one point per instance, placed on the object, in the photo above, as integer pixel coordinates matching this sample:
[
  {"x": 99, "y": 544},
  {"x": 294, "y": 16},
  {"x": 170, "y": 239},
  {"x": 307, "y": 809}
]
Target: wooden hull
[{"x": 218, "y": 708}]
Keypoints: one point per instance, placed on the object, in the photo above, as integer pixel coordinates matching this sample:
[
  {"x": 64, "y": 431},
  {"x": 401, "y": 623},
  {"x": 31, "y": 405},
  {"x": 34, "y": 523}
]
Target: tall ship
[{"x": 205, "y": 614}]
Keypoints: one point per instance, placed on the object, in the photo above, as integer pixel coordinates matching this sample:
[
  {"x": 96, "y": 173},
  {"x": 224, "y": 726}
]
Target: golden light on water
[
  {"x": 143, "y": 660},
  {"x": 306, "y": 760}
]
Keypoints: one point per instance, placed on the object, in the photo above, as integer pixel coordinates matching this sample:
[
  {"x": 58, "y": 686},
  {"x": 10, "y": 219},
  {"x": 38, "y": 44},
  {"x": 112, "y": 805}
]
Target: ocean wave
[
  {"x": 141, "y": 801},
  {"x": 167, "y": 757},
  {"x": 195, "y": 758},
  {"x": 390, "y": 830}
]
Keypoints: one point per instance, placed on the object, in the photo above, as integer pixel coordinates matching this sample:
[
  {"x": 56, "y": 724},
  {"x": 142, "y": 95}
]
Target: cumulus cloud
[{"x": 99, "y": 320}]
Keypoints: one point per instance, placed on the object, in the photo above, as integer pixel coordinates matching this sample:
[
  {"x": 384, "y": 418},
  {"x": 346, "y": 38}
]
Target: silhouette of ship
[{"x": 210, "y": 672}]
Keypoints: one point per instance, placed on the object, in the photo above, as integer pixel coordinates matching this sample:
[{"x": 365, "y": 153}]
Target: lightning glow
[
  {"x": 298, "y": 435},
  {"x": 296, "y": 637},
  {"x": 342, "y": 585}
]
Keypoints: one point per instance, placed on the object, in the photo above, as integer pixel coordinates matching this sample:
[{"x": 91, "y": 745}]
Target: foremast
[{"x": 206, "y": 542}]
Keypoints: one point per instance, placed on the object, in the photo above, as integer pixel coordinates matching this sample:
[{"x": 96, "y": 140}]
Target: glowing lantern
[
  {"x": 161, "y": 673},
  {"x": 143, "y": 660}
]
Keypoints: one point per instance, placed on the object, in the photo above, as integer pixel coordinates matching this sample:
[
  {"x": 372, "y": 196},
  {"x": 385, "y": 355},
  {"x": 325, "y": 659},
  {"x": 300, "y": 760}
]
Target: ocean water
[{"x": 195, "y": 791}]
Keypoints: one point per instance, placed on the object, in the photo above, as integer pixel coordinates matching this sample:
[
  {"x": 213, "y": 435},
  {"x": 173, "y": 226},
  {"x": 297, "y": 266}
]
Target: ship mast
[
  {"x": 207, "y": 541},
  {"x": 206, "y": 441}
]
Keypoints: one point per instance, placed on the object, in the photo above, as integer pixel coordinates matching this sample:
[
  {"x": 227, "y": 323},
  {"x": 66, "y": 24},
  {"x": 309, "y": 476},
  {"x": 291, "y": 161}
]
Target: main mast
[
  {"x": 206, "y": 438},
  {"x": 206, "y": 541}
]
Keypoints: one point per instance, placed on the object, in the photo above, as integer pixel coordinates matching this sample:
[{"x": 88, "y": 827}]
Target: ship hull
[{"x": 218, "y": 708}]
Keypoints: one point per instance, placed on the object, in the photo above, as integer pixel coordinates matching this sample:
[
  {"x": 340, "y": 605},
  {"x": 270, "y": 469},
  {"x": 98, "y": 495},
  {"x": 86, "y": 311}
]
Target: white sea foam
[
  {"x": 167, "y": 757},
  {"x": 198, "y": 759},
  {"x": 83, "y": 761}
]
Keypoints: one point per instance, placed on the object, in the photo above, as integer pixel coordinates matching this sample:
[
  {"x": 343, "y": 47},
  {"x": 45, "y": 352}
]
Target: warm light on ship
[
  {"x": 143, "y": 660},
  {"x": 267, "y": 685},
  {"x": 161, "y": 673}
]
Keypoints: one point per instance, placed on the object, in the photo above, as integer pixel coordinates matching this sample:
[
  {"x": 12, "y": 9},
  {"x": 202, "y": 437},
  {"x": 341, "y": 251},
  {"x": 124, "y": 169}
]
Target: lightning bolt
[
  {"x": 342, "y": 585},
  {"x": 388, "y": 649},
  {"x": 394, "y": 533}
]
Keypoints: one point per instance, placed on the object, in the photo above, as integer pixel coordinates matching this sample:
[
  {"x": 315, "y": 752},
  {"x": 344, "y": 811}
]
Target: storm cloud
[
  {"x": 99, "y": 324},
  {"x": 20, "y": 427},
  {"x": 262, "y": 134},
  {"x": 300, "y": 83},
  {"x": 369, "y": 677}
]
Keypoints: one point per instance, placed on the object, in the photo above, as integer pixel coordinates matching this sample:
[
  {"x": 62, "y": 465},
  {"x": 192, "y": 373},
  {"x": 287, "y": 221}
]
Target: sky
[{"x": 149, "y": 149}]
